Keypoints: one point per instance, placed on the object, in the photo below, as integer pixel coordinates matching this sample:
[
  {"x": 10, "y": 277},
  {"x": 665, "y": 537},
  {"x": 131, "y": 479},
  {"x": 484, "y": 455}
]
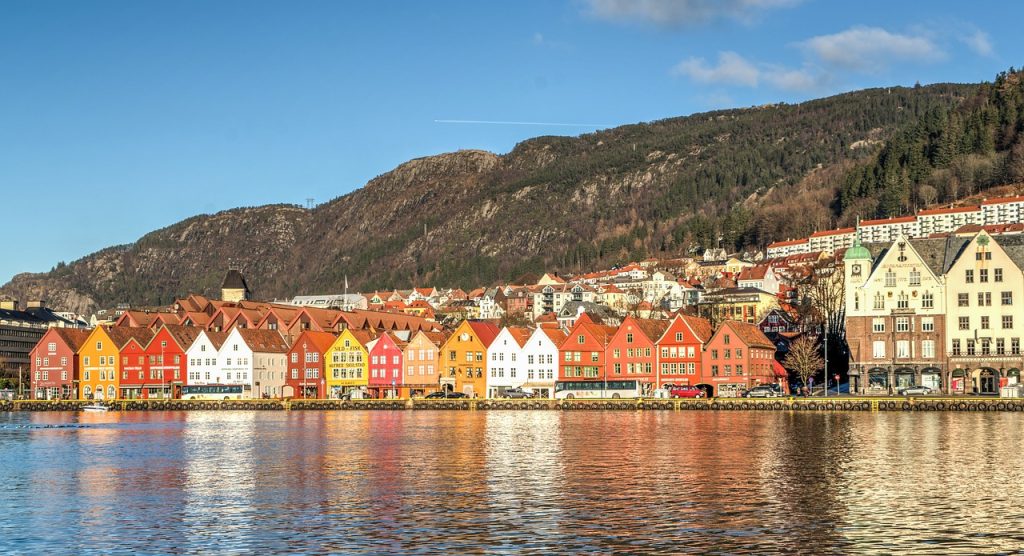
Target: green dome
[{"x": 857, "y": 252}]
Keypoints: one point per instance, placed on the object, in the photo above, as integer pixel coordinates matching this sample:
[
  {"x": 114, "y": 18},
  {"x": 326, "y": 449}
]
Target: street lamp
[{"x": 163, "y": 369}]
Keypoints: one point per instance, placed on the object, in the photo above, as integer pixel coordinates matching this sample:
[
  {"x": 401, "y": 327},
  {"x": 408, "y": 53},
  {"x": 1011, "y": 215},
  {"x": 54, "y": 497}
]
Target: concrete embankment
[{"x": 721, "y": 404}]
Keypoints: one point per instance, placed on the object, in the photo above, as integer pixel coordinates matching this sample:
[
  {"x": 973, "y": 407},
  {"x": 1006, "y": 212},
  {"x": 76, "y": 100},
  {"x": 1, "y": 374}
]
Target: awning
[{"x": 780, "y": 371}]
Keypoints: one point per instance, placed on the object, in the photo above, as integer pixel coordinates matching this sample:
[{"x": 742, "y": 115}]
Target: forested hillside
[{"x": 736, "y": 177}]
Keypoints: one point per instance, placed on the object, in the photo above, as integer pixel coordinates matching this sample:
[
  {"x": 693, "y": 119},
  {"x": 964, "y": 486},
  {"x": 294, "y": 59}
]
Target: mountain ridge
[{"x": 551, "y": 203}]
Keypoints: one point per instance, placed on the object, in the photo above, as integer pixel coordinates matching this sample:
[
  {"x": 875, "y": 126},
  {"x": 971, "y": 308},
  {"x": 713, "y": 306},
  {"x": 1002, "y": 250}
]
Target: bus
[
  {"x": 213, "y": 392},
  {"x": 571, "y": 389}
]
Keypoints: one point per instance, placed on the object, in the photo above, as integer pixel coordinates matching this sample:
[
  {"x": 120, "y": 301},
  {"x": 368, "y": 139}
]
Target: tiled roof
[
  {"x": 264, "y": 341},
  {"x": 121, "y": 335},
  {"x": 1001, "y": 200},
  {"x": 787, "y": 243},
  {"x": 701, "y": 327},
  {"x": 837, "y": 232},
  {"x": 881, "y": 221},
  {"x": 320, "y": 340},
  {"x": 486, "y": 331},
  {"x": 73, "y": 337},
  {"x": 749, "y": 334},
  {"x": 950, "y": 210}
]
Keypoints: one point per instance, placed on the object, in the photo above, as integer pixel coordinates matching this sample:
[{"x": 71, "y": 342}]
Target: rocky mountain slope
[{"x": 740, "y": 177}]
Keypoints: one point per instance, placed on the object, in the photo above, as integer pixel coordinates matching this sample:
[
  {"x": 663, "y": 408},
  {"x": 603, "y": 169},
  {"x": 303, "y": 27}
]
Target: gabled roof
[
  {"x": 701, "y": 328},
  {"x": 264, "y": 341},
  {"x": 216, "y": 338},
  {"x": 234, "y": 280},
  {"x": 321, "y": 340},
  {"x": 485, "y": 331},
  {"x": 749, "y": 334},
  {"x": 520, "y": 334},
  {"x": 73, "y": 337},
  {"x": 121, "y": 335},
  {"x": 1001, "y": 200},
  {"x": 652, "y": 328},
  {"x": 182, "y": 335},
  {"x": 557, "y": 335}
]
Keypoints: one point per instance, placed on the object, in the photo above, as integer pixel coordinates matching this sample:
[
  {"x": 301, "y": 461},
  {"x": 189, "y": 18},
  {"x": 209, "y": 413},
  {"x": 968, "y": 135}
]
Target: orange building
[{"x": 465, "y": 358}]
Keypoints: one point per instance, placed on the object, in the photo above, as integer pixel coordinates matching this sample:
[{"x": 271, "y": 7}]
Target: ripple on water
[{"x": 511, "y": 482}]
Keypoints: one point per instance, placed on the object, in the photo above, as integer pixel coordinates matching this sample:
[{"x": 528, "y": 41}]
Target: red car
[{"x": 684, "y": 391}]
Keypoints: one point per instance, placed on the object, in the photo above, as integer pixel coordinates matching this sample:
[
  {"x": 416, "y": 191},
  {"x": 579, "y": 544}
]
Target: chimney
[
  {"x": 9, "y": 304},
  {"x": 36, "y": 304}
]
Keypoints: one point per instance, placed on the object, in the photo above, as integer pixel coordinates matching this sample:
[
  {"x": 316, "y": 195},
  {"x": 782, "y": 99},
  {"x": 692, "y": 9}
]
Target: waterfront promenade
[{"x": 842, "y": 403}]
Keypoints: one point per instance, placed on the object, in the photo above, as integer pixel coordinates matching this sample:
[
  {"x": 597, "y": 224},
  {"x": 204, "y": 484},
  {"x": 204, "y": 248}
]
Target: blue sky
[{"x": 121, "y": 117}]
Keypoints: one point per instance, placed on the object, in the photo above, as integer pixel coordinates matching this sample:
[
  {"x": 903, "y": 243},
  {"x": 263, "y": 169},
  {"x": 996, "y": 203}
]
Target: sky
[{"x": 122, "y": 117}]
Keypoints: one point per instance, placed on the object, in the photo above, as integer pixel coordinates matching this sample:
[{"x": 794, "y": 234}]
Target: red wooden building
[
  {"x": 738, "y": 357},
  {"x": 386, "y": 364},
  {"x": 306, "y": 377},
  {"x": 680, "y": 349},
  {"x": 582, "y": 356},
  {"x": 631, "y": 352},
  {"x": 165, "y": 367},
  {"x": 131, "y": 343},
  {"x": 54, "y": 364}
]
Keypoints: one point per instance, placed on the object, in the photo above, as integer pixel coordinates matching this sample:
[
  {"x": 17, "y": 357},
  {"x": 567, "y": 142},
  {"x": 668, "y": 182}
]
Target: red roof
[
  {"x": 1001, "y": 200},
  {"x": 896, "y": 220},
  {"x": 787, "y": 243},
  {"x": 834, "y": 232},
  {"x": 485, "y": 331},
  {"x": 780, "y": 371},
  {"x": 949, "y": 210}
]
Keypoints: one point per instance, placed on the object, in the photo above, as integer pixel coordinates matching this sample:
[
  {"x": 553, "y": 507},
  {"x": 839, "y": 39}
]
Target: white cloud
[
  {"x": 673, "y": 13},
  {"x": 793, "y": 79},
  {"x": 979, "y": 42},
  {"x": 871, "y": 48},
  {"x": 732, "y": 69}
]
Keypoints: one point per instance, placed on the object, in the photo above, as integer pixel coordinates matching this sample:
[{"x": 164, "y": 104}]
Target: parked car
[
  {"x": 684, "y": 391},
  {"x": 917, "y": 390},
  {"x": 762, "y": 391},
  {"x": 517, "y": 393},
  {"x": 443, "y": 394}
]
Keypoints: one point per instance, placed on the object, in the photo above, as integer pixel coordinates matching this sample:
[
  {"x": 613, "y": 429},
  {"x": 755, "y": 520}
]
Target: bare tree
[
  {"x": 928, "y": 194},
  {"x": 804, "y": 358}
]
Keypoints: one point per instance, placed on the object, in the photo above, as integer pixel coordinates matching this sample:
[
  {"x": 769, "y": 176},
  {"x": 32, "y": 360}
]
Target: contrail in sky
[{"x": 500, "y": 122}]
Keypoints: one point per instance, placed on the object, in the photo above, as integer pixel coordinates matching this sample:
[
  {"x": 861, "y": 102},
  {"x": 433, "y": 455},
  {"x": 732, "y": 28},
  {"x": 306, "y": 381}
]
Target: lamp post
[
  {"x": 163, "y": 369},
  {"x": 825, "y": 348}
]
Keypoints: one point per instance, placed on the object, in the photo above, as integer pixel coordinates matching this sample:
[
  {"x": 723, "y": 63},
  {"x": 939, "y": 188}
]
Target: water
[{"x": 513, "y": 482}]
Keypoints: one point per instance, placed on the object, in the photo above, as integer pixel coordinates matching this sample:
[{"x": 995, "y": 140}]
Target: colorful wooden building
[
  {"x": 421, "y": 360},
  {"x": 738, "y": 357},
  {"x": 465, "y": 358},
  {"x": 582, "y": 356},
  {"x": 386, "y": 364},
  {"x": 305, "y": 378},
  {"x": 347, "y": 362},
  {"x": 632, "y": 354},
  {"x": 680, "y": 350},
  {"x": 55, "y": 363}
]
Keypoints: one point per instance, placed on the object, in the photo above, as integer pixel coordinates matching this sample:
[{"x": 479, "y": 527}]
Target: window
[
  {"x": 986, "y": 347},
  {"x": 903, "y": 324},
  {"x": 902, "y": 348},
  {"x": 714, "y": 370},
  {"x": 878, "y": 325},
  {"x": 984, "y": 323},
  {"x": 629, "y": 338},
  {"x": 581, "y": 339},
  {"x": 903, "y": 301},
  {"x": 956, "y": 347},
  {"x": 970, "y": 347},
  {"x": 1007, "y": 298},
  {"x": 1014, "y": 346},
  {"x": 725, "y": 339},
  {"x": 928, "y": 349},
  {"x": 983, "y": 275},
  {"x": 964, "y": 323},
  {"x": 998, "y": 274},
  {"x": 879, "y": 301},
  {"x": 295, "y": 359},
  {"x": 962, "y": 300},
  {"x": 679, "y": 336},
  {"x": 714, "y": 354},
  {"x": 593, "y": 356},
  {"x": 85, "y": 361},
  {"x": 1007, "y": 322},
  {"x": 984, "y": 299},
  {"x": 1000, "y": 346},
  {"x": 927, "y": 324},
  {"x": 739, "y": 370},
  {"x": 878, "y": 347},
  {"x": 969, "y": 276},
  {"x": 890, "y": 279},
  {"x": 927, "y": 300},
  {"x": 915, "y": 278}
]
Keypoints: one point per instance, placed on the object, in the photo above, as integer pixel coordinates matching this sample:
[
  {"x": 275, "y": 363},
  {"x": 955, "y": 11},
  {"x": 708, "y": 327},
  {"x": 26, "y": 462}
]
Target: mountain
[{"x": 742, "y": 177}]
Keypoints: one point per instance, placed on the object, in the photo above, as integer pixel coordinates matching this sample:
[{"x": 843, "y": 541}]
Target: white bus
[
  {"x": 212, "y": 392},
  {"x": 572, "y": 389}
]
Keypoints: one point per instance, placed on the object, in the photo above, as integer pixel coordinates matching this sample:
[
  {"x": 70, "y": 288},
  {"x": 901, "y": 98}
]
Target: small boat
[{"x": 95, "y": 408}]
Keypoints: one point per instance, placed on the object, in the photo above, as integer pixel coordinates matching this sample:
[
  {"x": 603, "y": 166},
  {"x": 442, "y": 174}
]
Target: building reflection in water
[{"x": 534, "y": 482}]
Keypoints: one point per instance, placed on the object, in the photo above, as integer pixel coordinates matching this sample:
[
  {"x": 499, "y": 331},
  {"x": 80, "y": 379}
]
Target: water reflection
[{"x": 513, "y": 482}]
